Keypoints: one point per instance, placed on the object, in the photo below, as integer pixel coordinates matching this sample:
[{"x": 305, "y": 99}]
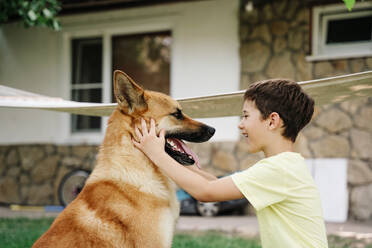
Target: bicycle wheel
[{"x": 71, "y": 185}]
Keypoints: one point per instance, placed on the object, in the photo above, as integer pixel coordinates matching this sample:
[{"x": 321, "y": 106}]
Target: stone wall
[
  {"x": 30, "y": 174},
  {"x": 275, "y": 39}
]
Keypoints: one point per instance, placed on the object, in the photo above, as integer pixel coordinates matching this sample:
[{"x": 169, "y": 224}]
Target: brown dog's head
[{"x": 167, "y": 113}]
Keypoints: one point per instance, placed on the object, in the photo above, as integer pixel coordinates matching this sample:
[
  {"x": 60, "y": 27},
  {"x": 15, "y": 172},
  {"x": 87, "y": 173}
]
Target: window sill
[{"x": 323, "y": 57}]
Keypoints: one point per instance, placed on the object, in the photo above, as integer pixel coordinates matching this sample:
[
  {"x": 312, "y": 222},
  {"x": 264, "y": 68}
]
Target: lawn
[{"x": 22, "y": 233}]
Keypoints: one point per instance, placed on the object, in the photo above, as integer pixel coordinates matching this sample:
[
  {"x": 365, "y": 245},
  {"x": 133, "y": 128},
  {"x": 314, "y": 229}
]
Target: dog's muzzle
[{"x": 178, "y": 150}]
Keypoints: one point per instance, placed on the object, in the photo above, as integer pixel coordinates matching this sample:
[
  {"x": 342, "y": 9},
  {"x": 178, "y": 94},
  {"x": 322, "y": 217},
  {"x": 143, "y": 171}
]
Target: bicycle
[{"x": 71, "y": 185}]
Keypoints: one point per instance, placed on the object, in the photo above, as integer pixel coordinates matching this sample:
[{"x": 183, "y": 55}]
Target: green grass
[
  {"x": 339, "y": 242},
  {"x": 213, "y": 239},
  {"x": 23, "y": 232}
]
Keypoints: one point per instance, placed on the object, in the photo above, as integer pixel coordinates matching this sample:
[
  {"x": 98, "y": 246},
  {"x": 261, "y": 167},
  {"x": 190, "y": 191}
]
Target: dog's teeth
[{"x": 175, "y": 147}]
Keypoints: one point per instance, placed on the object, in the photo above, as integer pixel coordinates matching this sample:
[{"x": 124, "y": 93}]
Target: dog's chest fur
[{"x": 120, "y": 161}]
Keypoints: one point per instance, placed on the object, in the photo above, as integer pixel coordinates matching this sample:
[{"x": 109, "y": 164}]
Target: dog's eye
[{"x": 178, "y": 114}]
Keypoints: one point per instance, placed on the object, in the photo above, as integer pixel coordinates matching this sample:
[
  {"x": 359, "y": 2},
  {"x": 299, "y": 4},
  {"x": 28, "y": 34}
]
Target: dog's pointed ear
[{"x": 128, "y": 94}]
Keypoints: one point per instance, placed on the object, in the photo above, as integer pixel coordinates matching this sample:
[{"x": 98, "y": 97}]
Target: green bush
[{"x": 32, "y": 13}]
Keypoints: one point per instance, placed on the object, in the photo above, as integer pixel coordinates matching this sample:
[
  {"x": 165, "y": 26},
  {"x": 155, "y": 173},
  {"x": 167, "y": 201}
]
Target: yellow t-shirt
[{"x": 286, "y": 201}]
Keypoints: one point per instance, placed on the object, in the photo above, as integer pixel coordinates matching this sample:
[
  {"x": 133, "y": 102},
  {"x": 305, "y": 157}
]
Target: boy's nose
[{"x": 240, "y": 126}]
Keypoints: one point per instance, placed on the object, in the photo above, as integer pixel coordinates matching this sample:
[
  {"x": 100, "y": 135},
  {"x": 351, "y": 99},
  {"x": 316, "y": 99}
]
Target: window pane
[
  {"x": 87, "y": 95},
  {"x": 80, "y": 123},
  {"x": 145, "y": 58},
  {"x": 86, "y": 69},
  {"x": 87, "y": 61},
  {"x": 349, "y": 30}
]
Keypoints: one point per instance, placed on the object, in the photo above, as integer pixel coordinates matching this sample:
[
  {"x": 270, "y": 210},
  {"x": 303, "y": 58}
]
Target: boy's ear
[
  {"x": 275, "y": 121},
  {"x": 128, "y": 94}
]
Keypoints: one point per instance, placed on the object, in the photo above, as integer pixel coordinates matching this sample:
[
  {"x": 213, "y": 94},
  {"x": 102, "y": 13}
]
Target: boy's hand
[{"x": 149, "y": 143}]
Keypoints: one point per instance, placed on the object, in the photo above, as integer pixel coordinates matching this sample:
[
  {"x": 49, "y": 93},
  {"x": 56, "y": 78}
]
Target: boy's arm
[
  {"x": 201, "y": 189},
  {"x": 202, "y": 173},
  {"x": 196, "y": 185}
]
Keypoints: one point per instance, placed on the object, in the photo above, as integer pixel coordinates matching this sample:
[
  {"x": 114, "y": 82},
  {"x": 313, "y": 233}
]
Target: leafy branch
[
  {"x": 33, "y": 13},
  {"x": 349, "y": 4}
]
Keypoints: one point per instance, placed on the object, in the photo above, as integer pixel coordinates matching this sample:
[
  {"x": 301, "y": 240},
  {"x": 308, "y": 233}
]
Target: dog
[{"x": 128, "y": 201}]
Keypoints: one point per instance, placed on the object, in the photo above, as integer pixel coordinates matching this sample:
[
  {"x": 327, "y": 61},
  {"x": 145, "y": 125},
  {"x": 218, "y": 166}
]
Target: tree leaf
[
  {"x": 56, "y": 25},
  {"x": 47, "y": 13},
  {"x": 32, "y": 15},
  {"x": 24, "y": 4},
  {"x": 349, "y": 4}
]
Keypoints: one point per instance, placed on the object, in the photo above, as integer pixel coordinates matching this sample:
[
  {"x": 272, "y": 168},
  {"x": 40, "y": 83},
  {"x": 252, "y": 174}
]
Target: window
[
  {"x": 86, "y": 81},
  {"x": 338, "y": 33},
  {"x": 144, "y": 57},
  {"x": 355, "y": 29}
]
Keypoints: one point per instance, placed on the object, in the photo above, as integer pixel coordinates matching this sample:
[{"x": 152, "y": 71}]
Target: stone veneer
[
  {"x": 30, "y": 174},
  {"x": 274, "y": 43},
  {"x": 274, "y": 40}
]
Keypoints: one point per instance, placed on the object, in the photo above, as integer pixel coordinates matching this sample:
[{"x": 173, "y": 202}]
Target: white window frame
[
  {"x": 320, "y": 17},
  {"x": 107, "y": 28},
  {"x": 84, "y": 86}
]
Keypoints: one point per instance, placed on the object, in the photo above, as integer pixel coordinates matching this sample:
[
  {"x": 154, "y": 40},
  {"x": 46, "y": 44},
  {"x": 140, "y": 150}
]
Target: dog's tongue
[{"x": 188, "y": 151}]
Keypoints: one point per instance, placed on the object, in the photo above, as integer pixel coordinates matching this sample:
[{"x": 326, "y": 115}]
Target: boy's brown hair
[{"x": 286, "y": 98}]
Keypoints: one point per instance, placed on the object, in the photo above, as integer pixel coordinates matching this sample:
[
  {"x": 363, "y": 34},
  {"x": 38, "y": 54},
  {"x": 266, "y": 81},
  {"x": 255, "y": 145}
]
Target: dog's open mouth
[{"x": 178, "y": 150}]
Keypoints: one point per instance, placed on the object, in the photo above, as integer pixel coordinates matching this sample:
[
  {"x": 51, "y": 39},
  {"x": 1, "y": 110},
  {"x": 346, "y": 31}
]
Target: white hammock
[{"x": 324, "y": 91}]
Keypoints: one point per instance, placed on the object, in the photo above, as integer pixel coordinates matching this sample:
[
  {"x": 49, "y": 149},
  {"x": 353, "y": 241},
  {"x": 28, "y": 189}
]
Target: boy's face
[{"x": 253, "y": 127}]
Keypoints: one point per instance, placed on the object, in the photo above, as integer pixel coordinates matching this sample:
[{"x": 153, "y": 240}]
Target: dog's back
[{"x": 127, "y": 201}]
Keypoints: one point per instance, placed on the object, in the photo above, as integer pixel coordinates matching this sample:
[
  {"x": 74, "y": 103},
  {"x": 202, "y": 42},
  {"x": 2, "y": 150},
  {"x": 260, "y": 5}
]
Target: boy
[{"x": 280, "y": 186}]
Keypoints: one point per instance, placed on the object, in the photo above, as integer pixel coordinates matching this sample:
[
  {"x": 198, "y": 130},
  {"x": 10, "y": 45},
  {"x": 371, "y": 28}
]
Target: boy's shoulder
[
  {"x": 283, "y": 163},
  {"x": 284, "y": 157},
  {"x": 291, "y": 165}
]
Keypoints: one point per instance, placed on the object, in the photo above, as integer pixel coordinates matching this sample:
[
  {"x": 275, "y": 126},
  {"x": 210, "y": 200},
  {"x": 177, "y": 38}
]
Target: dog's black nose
[{"x": 211, "y": 131}]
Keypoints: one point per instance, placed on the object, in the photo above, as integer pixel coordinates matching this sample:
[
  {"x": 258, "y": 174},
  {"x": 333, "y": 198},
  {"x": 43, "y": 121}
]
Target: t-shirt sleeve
[{"x": 263, "y": 184}]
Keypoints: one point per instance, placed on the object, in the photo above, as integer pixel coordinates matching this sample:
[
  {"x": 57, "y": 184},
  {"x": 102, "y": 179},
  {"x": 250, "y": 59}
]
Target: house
[{"x": 187, "y": 48}]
